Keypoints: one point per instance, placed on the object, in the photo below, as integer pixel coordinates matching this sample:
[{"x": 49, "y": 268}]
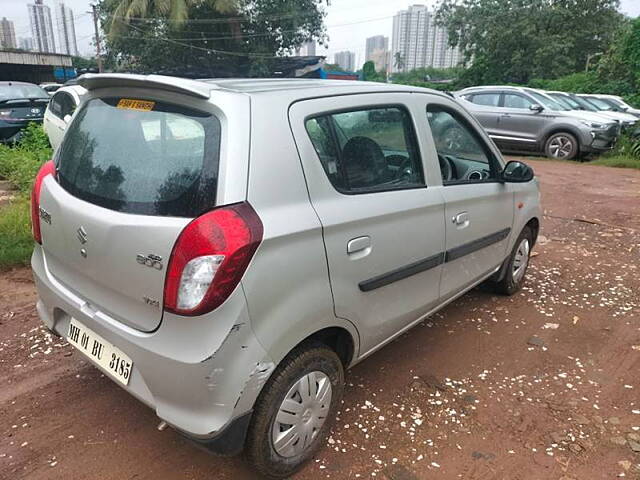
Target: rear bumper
[
  {"x": 12, "y": 131},
  {"x": 199, "y": 374}
]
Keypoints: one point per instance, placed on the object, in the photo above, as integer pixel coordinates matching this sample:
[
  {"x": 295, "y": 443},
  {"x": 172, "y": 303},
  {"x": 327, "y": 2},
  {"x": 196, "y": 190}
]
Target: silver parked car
[
  {"x": 523, "y": 119},
  {"x": 620, "y": 104},
  {"x": 224, "y": 250}
]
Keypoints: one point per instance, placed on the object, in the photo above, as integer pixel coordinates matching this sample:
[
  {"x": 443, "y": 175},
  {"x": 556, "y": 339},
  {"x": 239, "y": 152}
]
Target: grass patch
[
  {"x": 617, "y": 161},
  {"x": 19, "y": 164},
  {"x": 16, "y": 242}
]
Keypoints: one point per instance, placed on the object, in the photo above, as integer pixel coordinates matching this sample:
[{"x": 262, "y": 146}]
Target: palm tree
[
  {"x": 176, "y": 11},
  {"x": 399, "y": 61}
]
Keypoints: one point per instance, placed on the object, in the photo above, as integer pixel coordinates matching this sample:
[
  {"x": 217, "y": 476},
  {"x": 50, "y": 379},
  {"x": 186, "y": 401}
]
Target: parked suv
[
  {"x": 224, "y": 250},
  {"x": 523, "y": 119}
]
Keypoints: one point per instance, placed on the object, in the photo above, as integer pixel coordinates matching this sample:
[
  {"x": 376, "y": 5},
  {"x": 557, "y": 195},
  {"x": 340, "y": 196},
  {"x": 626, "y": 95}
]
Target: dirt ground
[{"x": 543, "y": 385}]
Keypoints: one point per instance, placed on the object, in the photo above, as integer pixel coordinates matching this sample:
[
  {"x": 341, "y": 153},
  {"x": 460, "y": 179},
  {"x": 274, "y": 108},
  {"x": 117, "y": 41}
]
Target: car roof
[
  {"x": 11, "y": 83},
  {"x": 286, "y": 87}
]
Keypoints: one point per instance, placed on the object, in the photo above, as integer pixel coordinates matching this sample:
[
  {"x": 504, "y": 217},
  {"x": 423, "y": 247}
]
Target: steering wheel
[{"x": 445, "y": 168}]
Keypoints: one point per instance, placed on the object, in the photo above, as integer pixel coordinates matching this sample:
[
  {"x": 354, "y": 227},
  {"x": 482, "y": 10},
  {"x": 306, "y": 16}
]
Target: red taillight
[
  {"x": 48, "y": 168},
  {"x": 209, "y": 259}
]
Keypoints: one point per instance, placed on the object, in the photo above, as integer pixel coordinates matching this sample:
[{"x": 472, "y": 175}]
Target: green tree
[
  {"x": 512, "y": 41},
  {"x": 175, "y": 11},
  {"x": 243, "y": 42},
  {"x": 398, "y": 61}
]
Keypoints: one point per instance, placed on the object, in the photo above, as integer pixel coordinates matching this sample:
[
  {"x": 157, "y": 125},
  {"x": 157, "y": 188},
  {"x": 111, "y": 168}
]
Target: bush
[{"x": 20, "y": 163}]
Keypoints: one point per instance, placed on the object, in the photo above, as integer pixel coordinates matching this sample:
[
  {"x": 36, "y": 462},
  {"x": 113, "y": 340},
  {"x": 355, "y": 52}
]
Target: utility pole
[{"x": 95, "y": 25}]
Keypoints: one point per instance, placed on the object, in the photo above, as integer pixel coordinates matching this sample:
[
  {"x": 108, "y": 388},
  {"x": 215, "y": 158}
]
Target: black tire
[
  {"x": 510, "y": 285},
  {"x": 259, "y": 448},
  {"x": 562, "y": 146}
]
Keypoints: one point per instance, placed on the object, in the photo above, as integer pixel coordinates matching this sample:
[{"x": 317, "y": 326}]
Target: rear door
[
  {"x": 131, "y": 173},
  {"x": 478, "y": 207},
  {"x": 486, "y": 109},
  {"x": 54, "y": 125},
  {"x": 383, "y": 224}
]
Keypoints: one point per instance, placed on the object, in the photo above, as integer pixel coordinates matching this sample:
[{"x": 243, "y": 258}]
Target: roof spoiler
[{"x": 92, "y": 81}]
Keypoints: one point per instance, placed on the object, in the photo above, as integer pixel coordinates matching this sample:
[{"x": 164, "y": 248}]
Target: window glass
[
  {"x": 512, "y": 100},
  {"x": 163, "y": 161},
  {"x": 488, "y": 99},
  {"x": 54, "y": 104},
  {"x": 549, "y": 103},
  {"x": 462, "y": 154},
  {"x": 367, "y": 150},
  {"x": 67, "y": 105}
]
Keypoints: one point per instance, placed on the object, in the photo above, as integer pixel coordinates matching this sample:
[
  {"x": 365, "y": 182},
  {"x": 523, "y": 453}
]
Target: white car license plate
[{"x": 109, "y": 357}]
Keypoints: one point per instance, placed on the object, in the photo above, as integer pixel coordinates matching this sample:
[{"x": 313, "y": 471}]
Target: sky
[{"x": 349, "y": 22}]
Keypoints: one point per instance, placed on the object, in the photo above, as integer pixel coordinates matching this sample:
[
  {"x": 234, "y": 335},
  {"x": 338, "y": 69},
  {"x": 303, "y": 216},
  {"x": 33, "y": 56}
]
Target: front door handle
[
  {"x": 461, "y": 219},
  {"x": 359, "y": 247}
]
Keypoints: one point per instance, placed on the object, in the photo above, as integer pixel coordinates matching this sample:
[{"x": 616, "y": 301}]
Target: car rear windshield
[
  {"x": 16, "y": 92},
  {"x": 142, "y": 157}
]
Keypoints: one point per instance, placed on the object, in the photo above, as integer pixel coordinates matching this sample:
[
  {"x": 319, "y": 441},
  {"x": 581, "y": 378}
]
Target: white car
[
  {"x": 627, "y": 119},
  {"x": 620, "y": 103},
  {"x": 60, "y": 110}
]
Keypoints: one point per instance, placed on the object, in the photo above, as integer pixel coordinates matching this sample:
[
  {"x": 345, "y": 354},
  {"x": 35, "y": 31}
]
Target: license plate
[{"x": 112, "y": 360}]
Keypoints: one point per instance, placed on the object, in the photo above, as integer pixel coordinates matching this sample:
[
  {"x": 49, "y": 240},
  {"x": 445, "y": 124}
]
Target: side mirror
[
  {"x": 67, "y": 119},
  {"x": 517, "y": 172},
  {"x": 536, "y": 108}
]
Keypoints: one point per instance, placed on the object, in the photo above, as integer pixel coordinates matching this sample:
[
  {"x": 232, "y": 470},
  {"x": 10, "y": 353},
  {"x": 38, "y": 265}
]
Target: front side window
[
  {"x": 463, "y": 155},
  {"x": 161, "y": 159},
  {"x": 513, "y": 100},
  {"x": 367, "y": 150}
]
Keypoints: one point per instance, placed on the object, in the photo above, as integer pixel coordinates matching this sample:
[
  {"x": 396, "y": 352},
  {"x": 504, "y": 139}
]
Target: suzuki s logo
[{"x": 81, "y": 235}]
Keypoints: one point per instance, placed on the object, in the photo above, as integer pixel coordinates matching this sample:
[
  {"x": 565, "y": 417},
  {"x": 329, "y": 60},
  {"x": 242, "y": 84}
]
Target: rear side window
[
  {"x": 142, "y": 157},
  {"x": 367, "y": 150},
  {"x": 487, "y": 99}
]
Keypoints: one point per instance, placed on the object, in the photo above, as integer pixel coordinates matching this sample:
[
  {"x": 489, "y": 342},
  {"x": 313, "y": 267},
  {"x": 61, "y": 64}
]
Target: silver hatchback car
[{"x": 225, "y": 249}]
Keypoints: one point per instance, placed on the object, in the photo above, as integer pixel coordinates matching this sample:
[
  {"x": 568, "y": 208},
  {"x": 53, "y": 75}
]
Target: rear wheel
[
  {"x": 294, "y": 411},
  {"x": 563, "y": 146},
  {"x": 516, "y": 264}
]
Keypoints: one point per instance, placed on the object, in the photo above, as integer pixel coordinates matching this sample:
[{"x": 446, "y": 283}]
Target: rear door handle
[{"x": 359, "y": 247}]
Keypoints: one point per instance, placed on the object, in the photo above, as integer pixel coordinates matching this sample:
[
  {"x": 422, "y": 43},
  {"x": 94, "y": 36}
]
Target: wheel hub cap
[
  {"x": 561, "y": 147},
  {"x": 521, "y": 260},
  {"x": 301, "y": 414}
]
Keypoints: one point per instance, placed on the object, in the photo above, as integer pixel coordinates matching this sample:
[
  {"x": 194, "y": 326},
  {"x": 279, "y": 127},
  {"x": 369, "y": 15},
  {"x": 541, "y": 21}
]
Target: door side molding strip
[
  {"x": 432, "y": 262},
  {"x": 476, "y": 245},
  {"x": 402, "y": 273}
]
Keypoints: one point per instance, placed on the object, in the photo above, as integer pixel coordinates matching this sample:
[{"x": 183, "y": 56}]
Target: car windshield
[
  {"x": 14, "y": 92},
  {"x": 566, "y": 101},
  {"x": 584, "y": 104},
  {"x": 548, "y": 102},
  {"x": 140, "y": 156},
  {"x": 599, "y": 104}
]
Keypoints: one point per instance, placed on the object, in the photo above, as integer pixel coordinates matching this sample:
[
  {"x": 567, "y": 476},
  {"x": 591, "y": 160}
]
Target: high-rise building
[
  {"x": 379, "y": 42},
  {"x": 25, "y": 43},
  {"x": 7, "y": 34},
  {"x": 66, "y": 30},
  {"x": 418, "y": 41},
  {"x": 346, "y": 60},
  {"x": 307, "y": 48},
  {"x": 41, "y": 27},
  {"x": 377, "y": 51}
]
